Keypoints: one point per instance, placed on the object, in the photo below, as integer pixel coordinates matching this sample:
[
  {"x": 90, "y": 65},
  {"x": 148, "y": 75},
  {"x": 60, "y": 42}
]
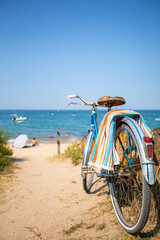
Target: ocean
[{"x": 41, "y": 123}]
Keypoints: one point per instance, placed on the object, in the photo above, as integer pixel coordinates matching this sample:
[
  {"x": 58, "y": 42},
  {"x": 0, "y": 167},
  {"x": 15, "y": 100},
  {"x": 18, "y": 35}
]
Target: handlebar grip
[{"x": 71, "y": 96}]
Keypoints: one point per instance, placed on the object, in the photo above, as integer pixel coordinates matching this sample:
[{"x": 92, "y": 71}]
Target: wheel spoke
[
  {"x": 130, "y": 148},
  {"x": 125, "y": 153}
]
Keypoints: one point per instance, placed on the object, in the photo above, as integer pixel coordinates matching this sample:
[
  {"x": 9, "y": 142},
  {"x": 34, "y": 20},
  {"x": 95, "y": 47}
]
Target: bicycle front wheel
[
  {"x": 88, "y": 174},
  {"x": 130, "y": 193}
]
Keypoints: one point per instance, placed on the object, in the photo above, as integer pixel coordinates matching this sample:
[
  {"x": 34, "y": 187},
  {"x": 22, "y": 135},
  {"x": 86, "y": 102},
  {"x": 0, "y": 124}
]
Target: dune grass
[{"x": 5, "y": 151}]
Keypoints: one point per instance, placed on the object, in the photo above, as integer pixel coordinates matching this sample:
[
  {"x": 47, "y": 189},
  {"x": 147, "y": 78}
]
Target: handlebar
[
  {"x": 71, "y": 96},
  {"x": 84, "y": 102}
]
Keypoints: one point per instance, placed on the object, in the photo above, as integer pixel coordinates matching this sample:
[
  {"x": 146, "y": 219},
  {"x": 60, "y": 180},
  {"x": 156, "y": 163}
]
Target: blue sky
[{"x": 49, "y": 49}]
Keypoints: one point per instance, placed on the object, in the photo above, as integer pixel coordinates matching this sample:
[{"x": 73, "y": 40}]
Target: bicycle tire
[
  {"x": 130, "y": 193},
  {"x": 88, "y": 176}
]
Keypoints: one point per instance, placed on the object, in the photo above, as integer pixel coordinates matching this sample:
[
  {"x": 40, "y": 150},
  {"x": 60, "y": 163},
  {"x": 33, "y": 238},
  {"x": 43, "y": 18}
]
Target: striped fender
[{"x": 148, "y": 170}]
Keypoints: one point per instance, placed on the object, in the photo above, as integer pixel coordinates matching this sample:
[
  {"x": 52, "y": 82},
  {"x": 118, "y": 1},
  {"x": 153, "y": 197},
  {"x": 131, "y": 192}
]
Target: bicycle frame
[{"x": 94, "y": 123}]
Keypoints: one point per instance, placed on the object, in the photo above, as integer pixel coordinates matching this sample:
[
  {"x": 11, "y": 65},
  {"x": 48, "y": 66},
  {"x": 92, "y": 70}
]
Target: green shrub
[
  {"x": 5, "y": 151},
  {"x": 74, "y": 152}
]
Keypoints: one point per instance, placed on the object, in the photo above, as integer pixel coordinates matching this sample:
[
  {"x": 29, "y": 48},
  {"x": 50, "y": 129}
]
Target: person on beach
[
  {"x": 50, "y": 135},
  {"x": 34, "y": 142},
  {"x": 67, "y": 135}
]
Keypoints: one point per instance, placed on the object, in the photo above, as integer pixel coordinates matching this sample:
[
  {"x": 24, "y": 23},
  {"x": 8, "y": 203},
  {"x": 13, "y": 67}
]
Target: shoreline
[{"x": 48, "y": 141}]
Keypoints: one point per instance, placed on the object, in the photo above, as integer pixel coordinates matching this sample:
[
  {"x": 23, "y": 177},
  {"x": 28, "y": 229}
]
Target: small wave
[{"x": 157, "y": 119}]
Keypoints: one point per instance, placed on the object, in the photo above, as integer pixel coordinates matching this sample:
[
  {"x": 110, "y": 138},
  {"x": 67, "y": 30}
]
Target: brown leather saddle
[{"x": 109, "y": 101}]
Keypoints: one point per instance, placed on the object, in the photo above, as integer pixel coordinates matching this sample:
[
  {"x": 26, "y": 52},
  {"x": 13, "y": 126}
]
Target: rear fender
[{"x": 148, "y": 170}]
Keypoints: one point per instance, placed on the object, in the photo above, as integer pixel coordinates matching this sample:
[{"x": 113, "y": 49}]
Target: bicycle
[{"x": 130, "y": 172}]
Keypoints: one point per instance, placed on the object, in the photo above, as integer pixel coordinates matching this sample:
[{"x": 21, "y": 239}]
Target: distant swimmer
[
  {"x": 67, "y": 135},
  {"x": 50, "y": 135}
]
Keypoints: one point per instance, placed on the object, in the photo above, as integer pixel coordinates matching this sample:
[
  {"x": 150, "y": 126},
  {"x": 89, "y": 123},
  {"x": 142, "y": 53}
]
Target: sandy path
[{"x": 46, "y": 198}]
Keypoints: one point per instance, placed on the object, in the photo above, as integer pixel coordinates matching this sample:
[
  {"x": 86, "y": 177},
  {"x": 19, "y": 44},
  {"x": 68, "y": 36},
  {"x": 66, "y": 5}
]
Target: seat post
[
  {"x": 109, "y": 109},
  {"x": 109, "y": 106}
]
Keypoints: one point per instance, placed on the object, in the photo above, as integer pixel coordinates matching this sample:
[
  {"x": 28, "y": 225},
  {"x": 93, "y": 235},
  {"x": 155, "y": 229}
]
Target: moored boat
[{"x": 19, "y": 119}]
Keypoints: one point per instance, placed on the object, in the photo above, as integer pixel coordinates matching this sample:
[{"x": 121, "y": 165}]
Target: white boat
[{"x": 19, "y": 119}]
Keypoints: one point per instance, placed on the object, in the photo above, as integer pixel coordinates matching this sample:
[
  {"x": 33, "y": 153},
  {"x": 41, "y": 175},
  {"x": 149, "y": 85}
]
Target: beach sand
[{"x": 44, "y": 199}]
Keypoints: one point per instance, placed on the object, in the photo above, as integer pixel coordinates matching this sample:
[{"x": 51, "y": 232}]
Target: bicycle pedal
[
  {"x": 84, "y": 167},
  {"x": 87, "y": 171},
  {"x": 87, "y": 167}
]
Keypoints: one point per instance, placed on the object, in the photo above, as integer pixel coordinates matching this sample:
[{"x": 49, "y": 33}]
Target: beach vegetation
[
  {"x": 5, "y": 151},
  {"x": 57, "y": 158},
  {"x": 114, "y": 221},
  {"x": 73, "y": 228},
  {"x": 74, "y": 151},
  {"x": 101, "y": 226}
]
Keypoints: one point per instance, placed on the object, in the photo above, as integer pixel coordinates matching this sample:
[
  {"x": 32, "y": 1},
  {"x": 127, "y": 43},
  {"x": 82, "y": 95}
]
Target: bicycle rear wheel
[
  {"x": 130, "y": 193},
  {"x": 88, "y": 174}
]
